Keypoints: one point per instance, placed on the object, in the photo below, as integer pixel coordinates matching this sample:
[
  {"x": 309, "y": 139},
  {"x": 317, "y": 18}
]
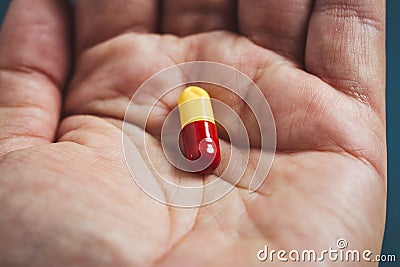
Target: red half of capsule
[{"x": 192, "y": 136}]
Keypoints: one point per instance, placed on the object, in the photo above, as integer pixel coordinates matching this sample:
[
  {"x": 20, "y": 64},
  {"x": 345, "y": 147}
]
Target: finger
[
  {"x": 346, "y": 47},
  {"x": 97, "y": 21},
  {"x": 184, "y": 17},
  {"x": 302, "y": 117},
  {"x": 277, "y": 25},
  {"x": 34, "y": 54}
]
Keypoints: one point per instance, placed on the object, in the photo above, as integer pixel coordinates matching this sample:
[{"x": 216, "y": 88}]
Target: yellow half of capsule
[{"x": 194, "y": 105}]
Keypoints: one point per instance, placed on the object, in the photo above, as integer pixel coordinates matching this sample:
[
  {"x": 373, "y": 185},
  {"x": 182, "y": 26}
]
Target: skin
[{"x": 66, "y": 195}]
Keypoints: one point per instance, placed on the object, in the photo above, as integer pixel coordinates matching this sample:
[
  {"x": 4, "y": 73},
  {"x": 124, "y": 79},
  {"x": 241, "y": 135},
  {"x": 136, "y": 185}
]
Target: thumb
[{"x": 34, "y": 55}]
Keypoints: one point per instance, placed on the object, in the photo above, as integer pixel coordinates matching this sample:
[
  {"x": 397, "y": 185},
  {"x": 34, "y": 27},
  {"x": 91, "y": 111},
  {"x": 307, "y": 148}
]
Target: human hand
[{"x": 66, "y": 196}]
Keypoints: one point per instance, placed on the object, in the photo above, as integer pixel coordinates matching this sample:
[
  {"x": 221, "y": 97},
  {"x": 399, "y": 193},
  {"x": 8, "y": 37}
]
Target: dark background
[{"x": 391, "y": 243}]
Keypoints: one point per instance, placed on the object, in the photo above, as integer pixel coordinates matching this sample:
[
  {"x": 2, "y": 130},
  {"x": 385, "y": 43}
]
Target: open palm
[{"x": 66, "y": 195}]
